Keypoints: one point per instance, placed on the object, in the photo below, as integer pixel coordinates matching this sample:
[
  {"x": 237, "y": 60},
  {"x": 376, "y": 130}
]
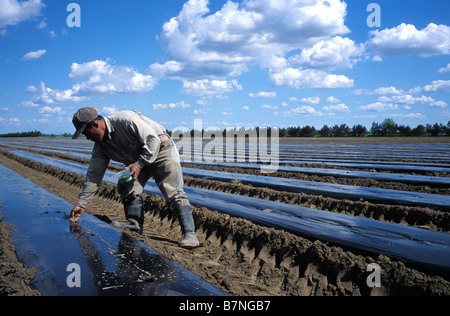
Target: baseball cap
[{"x": 82, "y": 118}]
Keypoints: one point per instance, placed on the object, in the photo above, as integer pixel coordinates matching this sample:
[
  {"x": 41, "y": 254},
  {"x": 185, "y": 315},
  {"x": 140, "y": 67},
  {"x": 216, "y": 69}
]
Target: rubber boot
[
  {"x": 190, "y": 240},
  {"x": 134, "y": 213}
]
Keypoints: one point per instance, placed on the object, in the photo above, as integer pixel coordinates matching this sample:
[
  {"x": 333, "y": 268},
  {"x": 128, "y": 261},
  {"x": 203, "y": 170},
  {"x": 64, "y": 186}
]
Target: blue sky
[{"x": 229, "y": 63}]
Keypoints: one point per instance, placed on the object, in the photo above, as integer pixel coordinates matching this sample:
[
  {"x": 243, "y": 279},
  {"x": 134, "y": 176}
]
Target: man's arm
[{"x": 97, "y": 168}]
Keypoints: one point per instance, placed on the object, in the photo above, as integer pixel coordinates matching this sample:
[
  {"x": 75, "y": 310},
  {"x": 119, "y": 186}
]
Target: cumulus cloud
[
  {"x": 45, "y": 95},
  {"x": 200, "y": 45},
  {"x": 332, "y": 99},
  {"x": 309, "y": 78},
  {"x": 100, "y": 77},
  {"x": 406, "y": 39},
  {"x": 341, "y": 107},
  {"x": 435, "y": 86},
  {"x": 207, "y": 87},
  {"x": 444, "y": 70},
  {"x": 332, "y": 54},
  {"x": 47, "y": 111},
  {"x": 389, "y": 98},
  {"x": 108, "y": 110},
  {"x": 95, "y": 78},
  {"x": 303, "y": 110},
  {"x": 311, "y": 100},
  {"x": 387, "y": 91},
  {"x": 12, "y": 12},
  {"x": 410, "y": 100},
  {"x": 34, "y": 55}
]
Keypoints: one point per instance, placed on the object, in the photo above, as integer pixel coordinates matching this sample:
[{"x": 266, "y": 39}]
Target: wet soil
[{"x": 242, "y": 258}]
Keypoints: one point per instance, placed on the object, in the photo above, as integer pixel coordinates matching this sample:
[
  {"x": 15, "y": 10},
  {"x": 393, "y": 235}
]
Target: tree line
[
  {"x": 23, "y": 134},
  {"x": 387, "y": 128}
]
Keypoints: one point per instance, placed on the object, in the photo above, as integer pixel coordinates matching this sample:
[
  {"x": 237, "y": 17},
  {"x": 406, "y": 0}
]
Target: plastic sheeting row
[
  {"x": 418, "y": 246},
  {"x": 329, "y": 159},
  {"x": 89, "y": 258},
  {"x": 379, "y": 176}
]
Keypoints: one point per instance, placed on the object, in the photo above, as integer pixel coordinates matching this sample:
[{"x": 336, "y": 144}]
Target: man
[{"x": 147, "y": 150}]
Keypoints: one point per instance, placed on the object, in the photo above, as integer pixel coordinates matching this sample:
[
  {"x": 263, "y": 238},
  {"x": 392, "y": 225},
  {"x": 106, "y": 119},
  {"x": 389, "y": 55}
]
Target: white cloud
[
  {"x": 108, "y": 110},
  {"x": 410, "y": 99},
  {"x": 435, "y": 86},
  {"x": 34, "y": 55},
  {"x": 12, "y": 12},
  {"x": 406, "y": 39},
  {"x": 263, "y": 94},
  {"x": 204, "y": 102},
  {"x": 336, "y": 53},
  {"x": 99, "y": 77},
  {"x": 303, "y": 110},
  {"x": 341, "y": 107},
  {"x": 178, "y": 105},
  {"x": 379, "y": 107},
  {"x": 444, "y": 70},
  {"x": 47, "y": 110},
  {"x": 96, "y": 78},
  {"x": 210, "y": 87},
  {"x": 269, "y": 107},
  {"x": 387, "y": 91},
  {"x": 410, "y": 115},
  {"x": 332, "y": 99},
  {"x": 202, "y": 111},
  {"x": 310, "y": 100},
  {"x": 200, "y": 45},
  {"x": 14, "y": 121},
  {"x": 45, "y": 95},
  {"x": 309, "y": 78}
]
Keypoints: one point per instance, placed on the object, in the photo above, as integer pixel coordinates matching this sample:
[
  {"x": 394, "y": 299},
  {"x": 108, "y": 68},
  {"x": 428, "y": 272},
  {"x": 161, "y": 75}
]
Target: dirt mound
[
  {"x": 240, "y": 257},
  {"x": 14, "y": 276}
]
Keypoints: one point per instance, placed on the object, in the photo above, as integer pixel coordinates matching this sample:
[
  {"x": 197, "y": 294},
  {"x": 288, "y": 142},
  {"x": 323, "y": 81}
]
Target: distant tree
[
  {"x": 307, "y": 131},
  {"x": 340, "y": 130},
  {"x": 404, "y": 130},
  {"x": 389, "y": 127},
  {"x": 359, "y": 130},
  {"x": 293, "y": 131},
  {"x": 23, "y": 134},
  {"x": 418, "y": 131},
  {"x": 435, "y": 130},
  {"x": 325, "y": 131},
  {"x": 375, "y": 130}
]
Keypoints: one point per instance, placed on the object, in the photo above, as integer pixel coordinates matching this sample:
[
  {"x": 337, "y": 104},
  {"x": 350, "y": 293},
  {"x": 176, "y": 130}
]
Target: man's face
[{"x": 94, "y": 132}]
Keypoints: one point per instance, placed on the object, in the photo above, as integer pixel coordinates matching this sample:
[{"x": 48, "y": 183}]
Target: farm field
[{"x": 331, "y": 210}]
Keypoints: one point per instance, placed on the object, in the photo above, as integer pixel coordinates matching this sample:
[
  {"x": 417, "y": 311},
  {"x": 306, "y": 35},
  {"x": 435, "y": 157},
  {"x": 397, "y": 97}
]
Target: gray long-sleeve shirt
[{"x": 129, "y": 138}]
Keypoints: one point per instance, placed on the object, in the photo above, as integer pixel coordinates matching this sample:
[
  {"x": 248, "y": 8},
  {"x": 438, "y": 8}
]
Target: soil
[
  {"x": 14, "y": 276},
  {"x": 242, "y": 258}
]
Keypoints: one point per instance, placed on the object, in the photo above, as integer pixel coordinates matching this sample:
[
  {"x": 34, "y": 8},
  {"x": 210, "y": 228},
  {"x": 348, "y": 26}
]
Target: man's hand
[
  {"x": 76, "y": 213},
  {"x": 135, "y": 170}
]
